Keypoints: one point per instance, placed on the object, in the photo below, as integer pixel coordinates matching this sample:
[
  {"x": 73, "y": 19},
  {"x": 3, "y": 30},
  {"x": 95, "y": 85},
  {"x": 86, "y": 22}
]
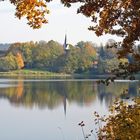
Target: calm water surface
[{"x": 40, "y": 109}]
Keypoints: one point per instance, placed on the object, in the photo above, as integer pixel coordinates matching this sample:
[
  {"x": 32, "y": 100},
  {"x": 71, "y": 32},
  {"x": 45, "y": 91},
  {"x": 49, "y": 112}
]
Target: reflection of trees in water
[
  {"x": 108, "y": 93},
  {"x": 103, "y": 94},
  {"x": 133, "y": 89},
  {"x": 49, "y": 94}
]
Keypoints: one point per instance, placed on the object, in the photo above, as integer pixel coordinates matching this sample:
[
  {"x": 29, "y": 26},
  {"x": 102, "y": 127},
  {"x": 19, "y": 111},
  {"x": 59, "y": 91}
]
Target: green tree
[
  {"x": 45, "y": 55},
  {"x": 38, "y": 55},
  {"x": 8, "y": 63},
  {"x": 71, "y": 60},
  {"x": 78, "y": 58},
  {"x": 87, "y": 56},
  {"x": 26, "y": 50}
]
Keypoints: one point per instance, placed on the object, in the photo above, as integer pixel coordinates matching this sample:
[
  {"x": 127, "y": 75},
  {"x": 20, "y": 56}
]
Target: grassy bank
[
  {"x": 44, "y": 74},
  {"x": 33, "y": 72}
]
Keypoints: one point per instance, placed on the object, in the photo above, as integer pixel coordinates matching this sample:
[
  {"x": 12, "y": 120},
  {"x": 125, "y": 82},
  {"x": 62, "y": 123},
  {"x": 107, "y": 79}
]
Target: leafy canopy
[{"x": 34, "y": 10}]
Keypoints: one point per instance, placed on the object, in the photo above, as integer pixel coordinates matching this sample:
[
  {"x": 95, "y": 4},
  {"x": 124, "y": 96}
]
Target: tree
[
  {"x": 77, "y": 59},
  {"x": 69, "y": 62},
  {"x": 8, "y": 63},
  {"x": 19, "y": 60},
  {"x": 34, "y": 10},
  {"x": 123, "y": 123},
  {"x": 47, "y": 54},
  {"x": 87, "y": 56},
  {"x": 25, "y": 49}
]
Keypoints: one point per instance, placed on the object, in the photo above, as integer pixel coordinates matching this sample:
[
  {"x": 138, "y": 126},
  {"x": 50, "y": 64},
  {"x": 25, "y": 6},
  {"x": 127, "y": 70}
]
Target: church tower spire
[
  {"x": 65, "y": 45},
  {"x": 65, "y": 42}
]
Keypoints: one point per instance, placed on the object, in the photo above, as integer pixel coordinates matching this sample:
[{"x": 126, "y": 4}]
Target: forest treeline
[{"x": 84, "y": 57}]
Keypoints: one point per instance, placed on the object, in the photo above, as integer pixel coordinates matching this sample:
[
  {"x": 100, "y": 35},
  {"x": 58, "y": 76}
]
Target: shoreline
[
  {"x": 45, "y": 74},
  {"x": 32, "y": 73}
]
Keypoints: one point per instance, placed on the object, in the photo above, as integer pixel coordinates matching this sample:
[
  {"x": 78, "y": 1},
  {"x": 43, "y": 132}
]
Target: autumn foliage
[
  {"x": 34, "y": 10},
  {"x": 123, "y": 123},
  {"x": 19, "y": 60}
]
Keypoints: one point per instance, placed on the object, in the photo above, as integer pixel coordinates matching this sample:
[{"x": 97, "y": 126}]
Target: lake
[{"x": 50, "y": 109}]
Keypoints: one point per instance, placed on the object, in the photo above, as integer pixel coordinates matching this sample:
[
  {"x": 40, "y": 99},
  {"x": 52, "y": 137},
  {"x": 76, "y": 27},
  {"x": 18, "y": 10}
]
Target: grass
[
  {"x": 31, "y": 72},
  {"x": 44, "y": 73}
]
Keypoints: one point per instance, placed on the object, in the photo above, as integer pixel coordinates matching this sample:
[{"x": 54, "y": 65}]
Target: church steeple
[
  {"x": 65, "y": 45},
  {"x": 65, "y": 42}
]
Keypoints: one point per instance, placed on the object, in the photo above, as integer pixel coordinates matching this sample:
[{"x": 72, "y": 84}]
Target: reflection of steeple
[
  {"x": 104, "y": 95},
  {"x": 65, "y": 104},
  {"x": 101, "y": 92}
]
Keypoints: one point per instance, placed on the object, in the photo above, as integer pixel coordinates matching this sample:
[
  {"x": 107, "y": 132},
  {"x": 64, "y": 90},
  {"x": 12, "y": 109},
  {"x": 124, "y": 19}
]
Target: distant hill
[
  {"x": 4, "y": 47},
  {"x": 2, "y": 53}
]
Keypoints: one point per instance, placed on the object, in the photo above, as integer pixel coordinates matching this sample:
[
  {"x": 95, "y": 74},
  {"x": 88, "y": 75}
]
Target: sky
[{"x": 61, "y": 20}]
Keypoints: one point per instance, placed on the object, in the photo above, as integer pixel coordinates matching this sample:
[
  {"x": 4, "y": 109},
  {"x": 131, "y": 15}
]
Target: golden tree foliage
[
  {"x": 19, "y": 60},
  {"x": 34, "y": 10},
  {"x": 123, "y": 123}
]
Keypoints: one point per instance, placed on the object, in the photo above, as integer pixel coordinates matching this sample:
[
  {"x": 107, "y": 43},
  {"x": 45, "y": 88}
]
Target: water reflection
[
  {"x": 108, "y": 93},
  {"x": 52, "y": 94}
]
